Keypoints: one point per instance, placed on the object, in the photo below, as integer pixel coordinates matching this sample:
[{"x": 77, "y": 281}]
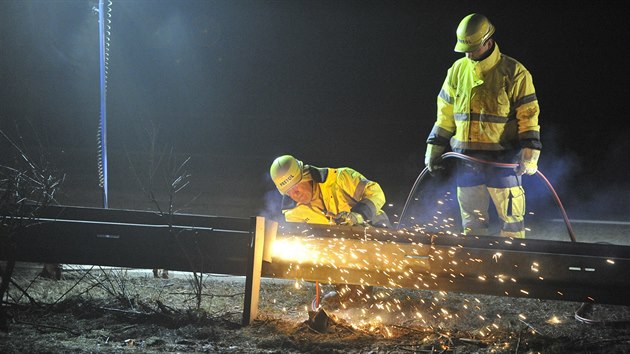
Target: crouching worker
[{"x": 340, "y": 196}]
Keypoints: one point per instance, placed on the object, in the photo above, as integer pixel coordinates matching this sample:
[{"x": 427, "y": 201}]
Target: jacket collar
[
  {"x": 319, "y": 175},
  {"x": 490, "y": 62}
]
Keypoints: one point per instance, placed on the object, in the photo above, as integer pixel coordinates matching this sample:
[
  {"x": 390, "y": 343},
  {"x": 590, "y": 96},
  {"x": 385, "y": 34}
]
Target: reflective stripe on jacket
[
  {"x": 340, "y": 189},
  {"x": 487, "y": 105}
]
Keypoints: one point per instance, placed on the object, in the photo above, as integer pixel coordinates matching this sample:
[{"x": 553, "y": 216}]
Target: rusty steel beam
[
  {"x": 555, "y": 270},
  {"x": 139, "y": 239}
]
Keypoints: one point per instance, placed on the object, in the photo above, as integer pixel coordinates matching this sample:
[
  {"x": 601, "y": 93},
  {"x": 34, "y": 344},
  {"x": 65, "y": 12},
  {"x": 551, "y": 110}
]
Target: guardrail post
[{"x": 254, "y": 265}]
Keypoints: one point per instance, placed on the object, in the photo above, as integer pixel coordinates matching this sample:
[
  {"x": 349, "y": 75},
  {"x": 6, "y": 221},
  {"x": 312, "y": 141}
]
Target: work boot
[
  {"x": 347, "y": 296},
  {"x": 355, "y": 295},
  {"x": 330, "y": 301}
]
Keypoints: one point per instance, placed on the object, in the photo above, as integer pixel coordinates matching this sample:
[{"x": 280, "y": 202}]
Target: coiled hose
[{"x": 424, "y": 172}]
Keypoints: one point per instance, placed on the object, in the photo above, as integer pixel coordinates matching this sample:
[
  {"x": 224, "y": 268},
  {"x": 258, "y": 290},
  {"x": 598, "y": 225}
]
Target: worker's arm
[
  {"x": 305, "y": 213},
  {"x": 527, "y": 111},
  {"x": 369, "y": 195},
  {"x": 444, "y": 127}
]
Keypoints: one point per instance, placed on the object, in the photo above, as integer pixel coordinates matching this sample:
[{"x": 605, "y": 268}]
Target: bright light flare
[{"x": 294, "y": 249}]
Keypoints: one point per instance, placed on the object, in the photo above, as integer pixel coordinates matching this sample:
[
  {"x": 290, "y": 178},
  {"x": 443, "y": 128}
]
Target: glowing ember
[{"x": 554, "y": 320}]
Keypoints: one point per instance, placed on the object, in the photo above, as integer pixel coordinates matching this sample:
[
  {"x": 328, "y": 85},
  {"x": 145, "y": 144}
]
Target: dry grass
[{"x": 114, "y": 310}]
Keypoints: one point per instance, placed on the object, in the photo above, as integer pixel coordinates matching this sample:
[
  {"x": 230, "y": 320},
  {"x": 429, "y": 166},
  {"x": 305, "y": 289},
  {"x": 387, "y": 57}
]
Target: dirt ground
[{"x": 116, "y": 311}]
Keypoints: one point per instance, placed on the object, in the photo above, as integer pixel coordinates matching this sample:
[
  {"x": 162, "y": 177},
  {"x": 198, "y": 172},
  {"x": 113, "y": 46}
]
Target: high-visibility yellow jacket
[
  {"x": 487, "y": 105},
  {"x": 336, "y": 190}
]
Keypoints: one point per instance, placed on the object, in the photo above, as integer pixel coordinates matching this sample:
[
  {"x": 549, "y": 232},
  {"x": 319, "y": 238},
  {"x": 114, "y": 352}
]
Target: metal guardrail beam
[
  {"x": 140, "y": 239},
  {"x": 555, "y": 270}
]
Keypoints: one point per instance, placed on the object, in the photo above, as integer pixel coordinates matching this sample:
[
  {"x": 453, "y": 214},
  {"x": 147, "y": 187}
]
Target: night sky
[{"x": 235, "y": 83}]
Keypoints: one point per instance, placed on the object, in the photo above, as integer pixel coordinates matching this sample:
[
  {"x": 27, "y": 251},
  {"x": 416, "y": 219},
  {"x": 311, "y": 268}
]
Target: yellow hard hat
[
  {"x": 286, "y": 172},
  {"x": 472, "y": 32}
]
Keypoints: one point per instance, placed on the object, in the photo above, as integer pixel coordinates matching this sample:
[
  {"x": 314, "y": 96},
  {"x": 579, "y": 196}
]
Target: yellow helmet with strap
[
  {"x": 472, "y": 32},
  {"x": 286, "y": 172}
]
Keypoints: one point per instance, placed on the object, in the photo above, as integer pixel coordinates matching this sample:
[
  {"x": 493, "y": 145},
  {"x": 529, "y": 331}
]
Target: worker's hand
[
  {"x": 433, "y": 157},
  {"x": 529, "y": 162},
  {"x": 349, "y": 218}
]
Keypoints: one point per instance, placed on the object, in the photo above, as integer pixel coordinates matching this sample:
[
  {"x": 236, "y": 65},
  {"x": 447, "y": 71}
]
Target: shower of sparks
[
  {"x": 405, "y": 258},
  {"x": 391, "y": 260}
]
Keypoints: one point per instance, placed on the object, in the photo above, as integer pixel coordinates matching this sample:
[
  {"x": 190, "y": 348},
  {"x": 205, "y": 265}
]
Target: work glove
[
  {"x": 529, "y": 162},
  {"x": 433, "y": 157},
  {"x": 349, "y": 218}
]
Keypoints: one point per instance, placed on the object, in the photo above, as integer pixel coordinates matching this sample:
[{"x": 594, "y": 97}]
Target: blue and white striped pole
[{"x": 103, "y": 120}]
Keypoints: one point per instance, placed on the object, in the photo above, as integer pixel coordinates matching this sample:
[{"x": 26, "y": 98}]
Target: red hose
[
  {"x": 513, "y": 165},
  {"x": 496, "y": 164}
]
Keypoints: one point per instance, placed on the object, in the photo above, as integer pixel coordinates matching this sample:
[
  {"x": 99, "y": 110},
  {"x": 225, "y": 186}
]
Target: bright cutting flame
[{"x": 296, "y": 250}]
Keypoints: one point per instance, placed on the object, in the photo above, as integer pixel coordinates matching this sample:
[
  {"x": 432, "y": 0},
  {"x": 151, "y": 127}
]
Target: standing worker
[
  {"x": 340, "y": 196},
  {"x": 487, "y": 109}
]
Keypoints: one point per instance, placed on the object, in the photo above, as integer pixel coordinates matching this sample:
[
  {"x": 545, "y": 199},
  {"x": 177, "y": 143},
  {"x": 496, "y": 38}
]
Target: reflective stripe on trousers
[{"x": 509, "y": 203}]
